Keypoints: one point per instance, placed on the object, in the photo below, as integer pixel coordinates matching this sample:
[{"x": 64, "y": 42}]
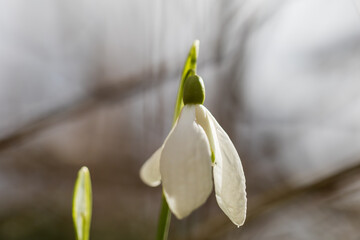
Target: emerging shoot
[{"x": 82, "y": 204}]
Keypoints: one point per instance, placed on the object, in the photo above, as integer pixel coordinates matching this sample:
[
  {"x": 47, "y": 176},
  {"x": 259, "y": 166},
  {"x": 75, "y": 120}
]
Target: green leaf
[
  {"x": 82, "y": 204},
  {"x": 189, "y": 70}
]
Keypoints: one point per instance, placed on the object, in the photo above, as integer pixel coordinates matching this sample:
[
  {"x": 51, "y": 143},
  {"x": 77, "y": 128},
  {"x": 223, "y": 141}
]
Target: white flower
[{"x": 183, "y": 164}]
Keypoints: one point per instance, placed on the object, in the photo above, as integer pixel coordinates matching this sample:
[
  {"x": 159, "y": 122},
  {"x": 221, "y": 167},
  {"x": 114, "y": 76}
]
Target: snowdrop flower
[{"x": 195, "y": 149}]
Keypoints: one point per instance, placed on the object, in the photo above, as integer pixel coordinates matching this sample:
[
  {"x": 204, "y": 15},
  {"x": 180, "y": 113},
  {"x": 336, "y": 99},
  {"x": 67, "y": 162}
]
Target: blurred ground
[{"x": 94, "y": 83}]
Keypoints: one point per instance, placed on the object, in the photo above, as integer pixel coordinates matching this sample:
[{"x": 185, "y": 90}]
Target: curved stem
[
  {"x": 164, "y": 220},
  {"x": 189, "y": 69}
]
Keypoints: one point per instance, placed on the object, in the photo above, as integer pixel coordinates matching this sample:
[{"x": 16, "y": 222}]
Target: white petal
[
  {"x": 202, "y": 119},
  {"x": 185, "y": 165},
  {"x": 229, "y": 178},
  {"x": 150, "y": 171}
]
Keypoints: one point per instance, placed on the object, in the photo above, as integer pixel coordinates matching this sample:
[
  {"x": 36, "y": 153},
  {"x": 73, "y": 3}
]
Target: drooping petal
[
  {"x": 185, "y": 165},
  {"x": 150, "y": 171},
  {"x": 229, "y": 178},
  {"x": 202, "y": 119}
]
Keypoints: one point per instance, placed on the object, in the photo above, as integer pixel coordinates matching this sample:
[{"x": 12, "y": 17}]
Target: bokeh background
[{"x": 94, "y": 82}]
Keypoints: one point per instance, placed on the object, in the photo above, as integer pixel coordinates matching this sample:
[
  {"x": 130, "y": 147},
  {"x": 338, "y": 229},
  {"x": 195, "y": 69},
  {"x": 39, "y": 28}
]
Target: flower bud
[{"x": 82, "y": 204}]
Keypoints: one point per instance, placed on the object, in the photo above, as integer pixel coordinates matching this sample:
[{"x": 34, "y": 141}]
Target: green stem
[
  {"x": 164, "y": 220},
  {"x": 189, "y": 69}
]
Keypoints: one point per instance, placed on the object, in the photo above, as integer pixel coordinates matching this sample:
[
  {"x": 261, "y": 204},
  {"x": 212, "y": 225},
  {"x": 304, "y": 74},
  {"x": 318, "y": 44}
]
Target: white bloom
[{"x": 183, "y": 165}]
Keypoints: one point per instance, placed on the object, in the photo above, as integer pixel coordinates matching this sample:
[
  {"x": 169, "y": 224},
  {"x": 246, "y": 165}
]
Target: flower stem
[
  {"x": 164, "y": 220},
  {"x": 189, "y": 69}
]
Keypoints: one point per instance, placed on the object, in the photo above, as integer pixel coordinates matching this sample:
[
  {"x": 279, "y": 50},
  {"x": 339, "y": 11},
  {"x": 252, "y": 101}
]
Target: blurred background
[{"x": 94, "y": 82}]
